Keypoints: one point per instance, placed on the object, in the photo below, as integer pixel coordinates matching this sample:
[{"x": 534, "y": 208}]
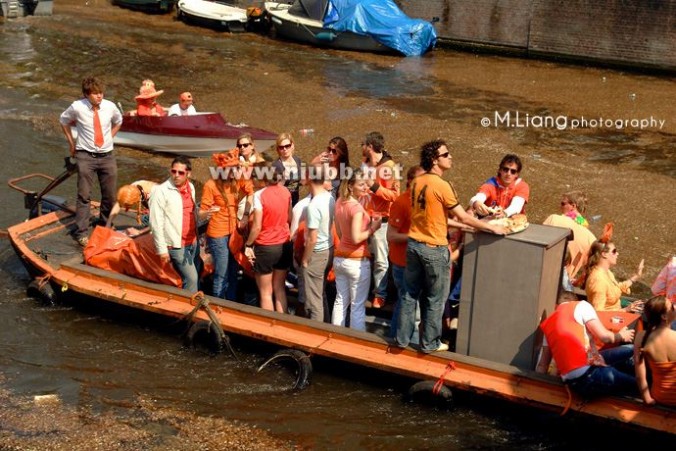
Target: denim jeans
[
  {"x": 183, "y": 260},
  {"x": 427, "y": 279},
  {"x": 615, "y": 379},
  {"x": 398, "y": 277},
  {"x": 380, "y": 250},
  {"x": 220, "y": 254}
]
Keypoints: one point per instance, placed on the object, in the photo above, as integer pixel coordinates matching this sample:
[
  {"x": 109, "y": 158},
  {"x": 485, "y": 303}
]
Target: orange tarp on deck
[{"x": 135, "y": 257}]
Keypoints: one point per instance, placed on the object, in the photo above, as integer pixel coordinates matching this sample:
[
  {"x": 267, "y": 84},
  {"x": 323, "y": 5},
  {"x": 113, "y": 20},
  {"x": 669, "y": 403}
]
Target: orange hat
[
  {"x": 185, "y": 96},
  {"x": 227, "y": 159},
  {"x": 128, "y": 196},
  {"x": 147, "y": 91}
]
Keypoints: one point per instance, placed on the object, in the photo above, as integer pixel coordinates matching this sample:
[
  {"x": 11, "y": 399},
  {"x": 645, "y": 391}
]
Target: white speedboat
[{"x": 212, "y": 14}]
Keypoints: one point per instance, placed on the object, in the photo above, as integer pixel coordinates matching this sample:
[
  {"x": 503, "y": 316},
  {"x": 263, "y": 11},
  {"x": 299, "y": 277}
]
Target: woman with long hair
[
  {"x": 604, "y": 292},
  {"x": 657, "y": 346},
  {"x": 337, "y": 157},
  {"x": 351, "y": 262}
]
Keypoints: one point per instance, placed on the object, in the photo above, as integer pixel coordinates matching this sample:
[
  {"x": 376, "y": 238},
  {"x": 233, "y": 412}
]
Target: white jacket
[{"x": 166, "y": 216}]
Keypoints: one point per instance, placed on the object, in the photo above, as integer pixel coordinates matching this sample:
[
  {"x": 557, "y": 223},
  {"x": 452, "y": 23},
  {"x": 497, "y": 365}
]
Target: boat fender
[
  {"x": 326, "y": 36},
  {"x": 426, "y": 392},
  {"x": 304, "y": 370},
  {"x": 204, "y": 333},
  {"x": 42, "y": 290}
]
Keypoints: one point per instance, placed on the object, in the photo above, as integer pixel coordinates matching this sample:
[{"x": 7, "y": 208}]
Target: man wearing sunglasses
[
  {"x": 384, "y": 191},
  {"x": 173, "y": 222},
  {"x": 505, "y": 194}
]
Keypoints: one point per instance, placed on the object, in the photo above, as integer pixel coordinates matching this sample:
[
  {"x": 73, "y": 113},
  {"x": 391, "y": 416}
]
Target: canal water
[{"x": 106, "y": 363}]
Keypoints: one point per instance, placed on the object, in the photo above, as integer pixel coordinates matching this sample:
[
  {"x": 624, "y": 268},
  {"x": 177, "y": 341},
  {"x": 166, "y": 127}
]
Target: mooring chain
[{"x": 203, "y": 303}]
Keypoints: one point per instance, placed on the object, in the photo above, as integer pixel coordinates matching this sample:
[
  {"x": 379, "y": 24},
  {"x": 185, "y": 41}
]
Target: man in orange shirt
[
  {"x": 427, "y": 276},
  {"x": 384, "y": 190},
  {"x": 397, "y": 238},
  {"x": 504, "y": 195}
]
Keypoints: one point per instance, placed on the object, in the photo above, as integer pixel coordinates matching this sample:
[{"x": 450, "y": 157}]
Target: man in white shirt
[
  {"x": 184, "y": 107},
  {"x": 96, "y": 120}
]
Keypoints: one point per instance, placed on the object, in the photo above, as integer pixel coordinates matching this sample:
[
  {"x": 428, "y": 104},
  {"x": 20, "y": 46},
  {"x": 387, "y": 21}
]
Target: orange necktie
[{"x": 98, "y": 131}]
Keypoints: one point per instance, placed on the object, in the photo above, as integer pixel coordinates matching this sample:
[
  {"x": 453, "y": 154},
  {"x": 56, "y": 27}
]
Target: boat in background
[
  {"x": 363, "y": 25},
  {"x": 197, "y": 135},
  {"x": 150, "y": 6},
  {"x": 12, "y": 9},
  {"x": 212, "y": 14}
]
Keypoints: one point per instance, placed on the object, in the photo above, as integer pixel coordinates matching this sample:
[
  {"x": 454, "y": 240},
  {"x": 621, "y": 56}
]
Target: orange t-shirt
[
  {"x": 501, "y": 196},
  {"x": 400, "y": 220},
  {"x": 345, "y": 210},
  {"x": 431, "y": 198},
  {"x": 224, "y": 221}
]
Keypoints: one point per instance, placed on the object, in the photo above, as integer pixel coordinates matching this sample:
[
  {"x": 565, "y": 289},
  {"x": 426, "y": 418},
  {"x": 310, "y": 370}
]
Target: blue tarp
[{"x": 384, "y": 21}]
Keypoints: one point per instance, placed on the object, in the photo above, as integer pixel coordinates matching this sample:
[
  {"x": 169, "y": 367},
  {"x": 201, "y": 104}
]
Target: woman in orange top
[
  {"x": 351, "y": 262},
  {"x": 657, "y": 345},
  {"x": 603, "y": 290},
  {"x": 220, "y": 198}
]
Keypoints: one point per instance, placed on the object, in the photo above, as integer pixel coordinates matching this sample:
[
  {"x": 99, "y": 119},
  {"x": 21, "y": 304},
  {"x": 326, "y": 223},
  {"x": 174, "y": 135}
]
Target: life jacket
[{"x": 566, "y": 339}]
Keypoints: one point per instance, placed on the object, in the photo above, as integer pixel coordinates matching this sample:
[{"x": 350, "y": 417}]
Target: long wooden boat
[
  {"x": 194, "y": 136},
  {"x": 55, "y": 260}
]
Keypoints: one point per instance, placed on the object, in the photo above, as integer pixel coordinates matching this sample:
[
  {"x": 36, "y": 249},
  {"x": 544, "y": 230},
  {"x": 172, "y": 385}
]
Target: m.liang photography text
[{"x": 518, "y": 119}]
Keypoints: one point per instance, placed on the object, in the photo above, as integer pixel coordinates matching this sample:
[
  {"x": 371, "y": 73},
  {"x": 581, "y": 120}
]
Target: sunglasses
[
  {"x": 444, "y": 155},
  {"x": 333, "y": 151},
  {"x": 285, "y": 146},
  {"x": 176, "y": 171},
  {"x": 613, "y": 251},
  {"x": 509, "y": 170},
  {"x": 564, "y": 203},
  {"x": 243, "y": 145}
]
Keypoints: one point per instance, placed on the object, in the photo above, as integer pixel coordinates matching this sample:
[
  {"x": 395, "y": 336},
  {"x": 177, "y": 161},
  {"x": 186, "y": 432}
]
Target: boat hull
[
  {"x": 154, "y": 6},
  {"x": 212, "y": 14},
  {"x": 68, "y": 274},
  {"x": 308, "y": 31},
  {"x": 194, "y": 136}
]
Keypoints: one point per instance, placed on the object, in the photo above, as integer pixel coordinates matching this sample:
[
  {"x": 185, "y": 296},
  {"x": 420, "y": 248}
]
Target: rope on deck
[
  {"x": 450, "y": 366},
  {"x": 203, "y": 303}
]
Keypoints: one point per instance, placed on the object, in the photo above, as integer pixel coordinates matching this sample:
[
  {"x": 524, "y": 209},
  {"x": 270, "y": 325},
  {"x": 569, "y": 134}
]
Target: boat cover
[
  {"x": 135, "y": 257},
  {"x": 381, "y": 19}
]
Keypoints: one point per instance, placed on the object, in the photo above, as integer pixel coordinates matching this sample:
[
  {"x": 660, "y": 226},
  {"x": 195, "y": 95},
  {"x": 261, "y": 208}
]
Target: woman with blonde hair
[
  {"x": 351, "y": 262},
  {"x": 604, "y": 292},
  {"x": 289, "y": 164},
  {"x": 657, "y": 346},
  {"x": 133, "y": 196}
]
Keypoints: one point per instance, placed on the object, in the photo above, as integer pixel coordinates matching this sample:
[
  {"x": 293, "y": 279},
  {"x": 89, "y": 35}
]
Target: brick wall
[
  {"x": 623, "y": 31},
  {"x": 629, "y": 32}
]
